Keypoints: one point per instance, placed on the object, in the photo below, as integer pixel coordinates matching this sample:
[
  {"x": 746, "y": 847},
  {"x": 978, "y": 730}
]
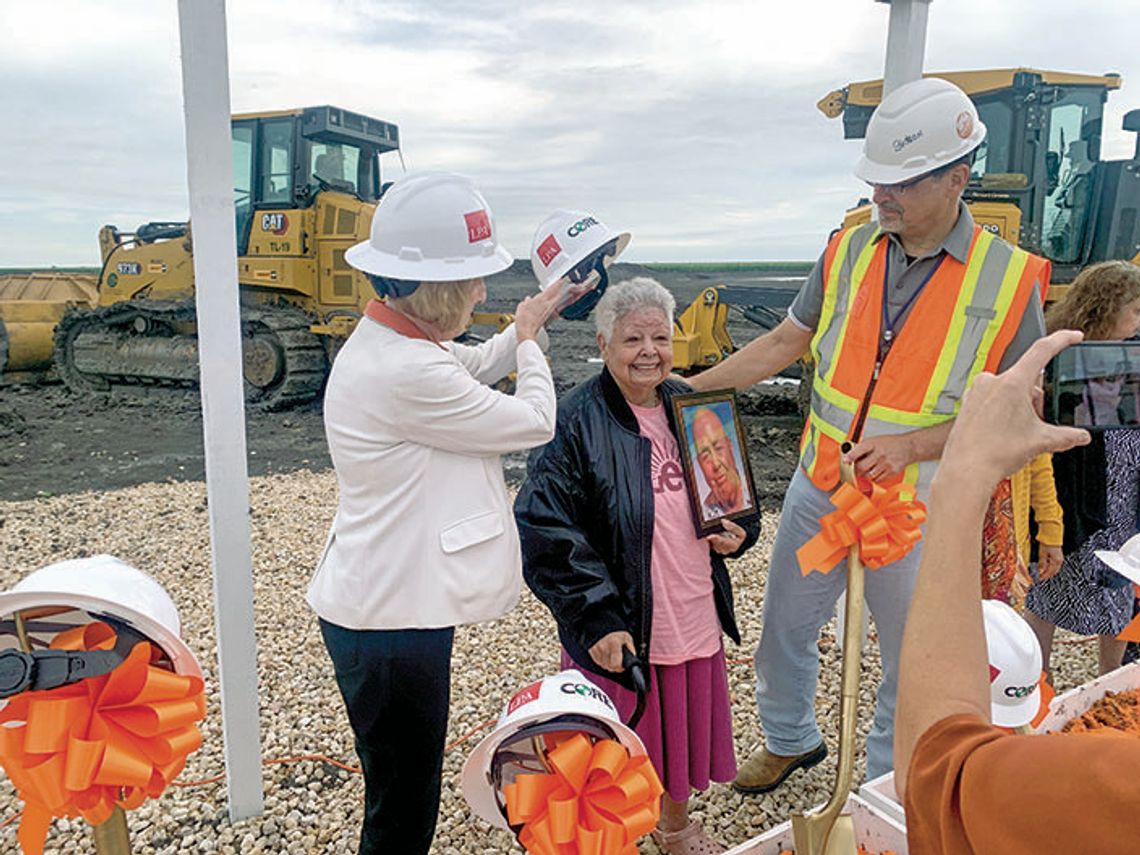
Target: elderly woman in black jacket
[{"x": 610, "y": 547}]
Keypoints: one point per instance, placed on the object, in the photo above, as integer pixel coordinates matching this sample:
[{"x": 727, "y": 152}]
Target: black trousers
[{"x": 396, "y": 685}]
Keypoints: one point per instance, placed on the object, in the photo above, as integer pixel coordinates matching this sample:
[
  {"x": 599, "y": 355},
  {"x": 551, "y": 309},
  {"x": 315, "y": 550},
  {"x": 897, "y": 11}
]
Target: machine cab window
[
  {"x": 993, "y": 153},
  {"x": 277, "y": 161},
  {"x": 1070, "y": 158},
  {"x": 337, "y": 165}
]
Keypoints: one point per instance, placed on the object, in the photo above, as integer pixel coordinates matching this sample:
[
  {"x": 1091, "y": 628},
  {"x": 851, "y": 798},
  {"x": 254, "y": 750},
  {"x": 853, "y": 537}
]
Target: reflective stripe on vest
[{"x": 972, "y": 302}]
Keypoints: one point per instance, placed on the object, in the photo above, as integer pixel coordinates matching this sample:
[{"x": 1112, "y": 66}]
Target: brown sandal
[{"x": 690, "y": 840}]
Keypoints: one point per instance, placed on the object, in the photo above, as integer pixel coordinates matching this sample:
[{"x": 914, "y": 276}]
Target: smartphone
[{"x": 1094, "y": 385}]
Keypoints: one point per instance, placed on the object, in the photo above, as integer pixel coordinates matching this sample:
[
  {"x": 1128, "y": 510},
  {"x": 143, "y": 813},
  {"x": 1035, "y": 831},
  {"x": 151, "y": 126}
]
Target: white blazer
[{"x": 424, "y": 534}]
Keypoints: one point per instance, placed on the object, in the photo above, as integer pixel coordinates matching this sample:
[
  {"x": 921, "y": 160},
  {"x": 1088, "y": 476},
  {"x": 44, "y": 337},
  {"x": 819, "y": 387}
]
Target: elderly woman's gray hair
[{"x": 631, "y": 295}]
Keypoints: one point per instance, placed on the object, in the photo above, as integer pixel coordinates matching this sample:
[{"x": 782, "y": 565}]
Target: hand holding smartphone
[{"x": 1094, "y": 385}]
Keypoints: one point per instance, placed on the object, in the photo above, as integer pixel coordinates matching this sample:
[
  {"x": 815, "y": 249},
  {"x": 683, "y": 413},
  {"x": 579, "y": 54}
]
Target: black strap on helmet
[
  {"x": 49, "y": 669},
  {"x": 594, "y": 262},
  {"x": 386, "y": 286},
  {"x": 511, "y": 749}
]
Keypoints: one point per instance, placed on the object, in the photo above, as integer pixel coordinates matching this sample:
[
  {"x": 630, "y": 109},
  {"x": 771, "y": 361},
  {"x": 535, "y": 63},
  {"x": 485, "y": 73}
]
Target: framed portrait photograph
[{"x": 715, "y": 458}]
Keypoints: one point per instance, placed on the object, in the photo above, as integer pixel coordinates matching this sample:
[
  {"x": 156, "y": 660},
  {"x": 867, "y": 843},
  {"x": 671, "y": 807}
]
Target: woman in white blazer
[{"x": 424, "y": 537}]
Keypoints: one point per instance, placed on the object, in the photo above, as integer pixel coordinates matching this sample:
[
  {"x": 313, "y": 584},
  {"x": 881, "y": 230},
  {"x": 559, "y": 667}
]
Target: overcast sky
[{"x": 691, "y": 124}]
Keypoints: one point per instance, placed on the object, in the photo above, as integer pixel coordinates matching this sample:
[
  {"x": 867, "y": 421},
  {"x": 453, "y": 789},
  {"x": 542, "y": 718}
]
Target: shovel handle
[
  {"x": 636, "y": 669},
  {"x": 849, "y": 698}
]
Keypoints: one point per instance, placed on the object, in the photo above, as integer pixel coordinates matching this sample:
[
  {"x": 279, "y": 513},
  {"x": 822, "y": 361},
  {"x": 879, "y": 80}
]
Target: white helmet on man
[
  {"x": 80, "y": 590},
  {"x": 921, "y": 126},
  {"x": 431, "y": 227},
  {"x": 1015, "y": 666},
  {"x": 578, "y": 247},
  {"x": 566, "y": 702}
]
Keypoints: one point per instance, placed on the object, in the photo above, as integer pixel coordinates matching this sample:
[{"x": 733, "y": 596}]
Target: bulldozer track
[{"x": 136, "y": 343}]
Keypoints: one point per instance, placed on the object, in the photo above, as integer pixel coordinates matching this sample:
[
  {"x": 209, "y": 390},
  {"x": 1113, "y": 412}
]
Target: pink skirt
[{"x": 687, "y": 725}]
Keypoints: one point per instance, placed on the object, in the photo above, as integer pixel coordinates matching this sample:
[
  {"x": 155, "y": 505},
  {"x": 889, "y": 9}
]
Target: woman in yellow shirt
[{"x": 1033, "y": 487}]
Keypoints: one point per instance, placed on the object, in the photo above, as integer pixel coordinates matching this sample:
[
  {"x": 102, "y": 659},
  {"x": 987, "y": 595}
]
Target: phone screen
[{"x": 1094, "y": 385}]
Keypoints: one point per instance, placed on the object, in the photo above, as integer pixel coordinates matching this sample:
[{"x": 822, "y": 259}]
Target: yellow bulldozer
[
  {"x": 306, "y": 182},
  {"x": 1038, "y": 181}
]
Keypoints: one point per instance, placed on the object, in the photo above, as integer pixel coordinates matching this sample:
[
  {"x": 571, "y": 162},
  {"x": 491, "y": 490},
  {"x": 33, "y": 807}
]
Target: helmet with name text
[
  {"x": 575, "y": 248},
  {"x": 430, "y": 227},
  {"x": 71, "y": 593},
  {"x": 1015, "y": 666},
  {"x": 536, "y": 717},
  {"x": 921, "y": 126}
]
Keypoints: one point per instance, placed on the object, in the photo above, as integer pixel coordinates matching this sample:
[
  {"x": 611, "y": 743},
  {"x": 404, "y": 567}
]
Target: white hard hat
[
  {"x": 105, "y": 587},
  {"x": 1015, "y": 665},
  {"x": 431, "y": 227},
  {"x": 919, "y": 127},
  {"x": 566, "y": 238},
  {"x": 569, "y": 702},
  {"x": 1126, "y": 560}
]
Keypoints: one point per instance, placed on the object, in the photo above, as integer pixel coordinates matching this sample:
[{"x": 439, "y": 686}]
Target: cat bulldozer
[
  {"x": 306, "y": 182},
  {"x": 1038, "y": 181}
]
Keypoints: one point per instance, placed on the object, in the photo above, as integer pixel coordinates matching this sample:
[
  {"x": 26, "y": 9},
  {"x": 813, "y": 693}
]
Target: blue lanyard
[{"x": 889, "y": 322}]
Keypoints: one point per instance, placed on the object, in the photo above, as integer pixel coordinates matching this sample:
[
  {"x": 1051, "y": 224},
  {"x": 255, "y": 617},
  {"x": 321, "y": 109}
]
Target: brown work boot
[{"x": 764, "y": 771}]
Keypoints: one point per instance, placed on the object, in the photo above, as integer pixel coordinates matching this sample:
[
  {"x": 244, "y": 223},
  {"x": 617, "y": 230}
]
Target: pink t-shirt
[{"x": 685, "y": 623}]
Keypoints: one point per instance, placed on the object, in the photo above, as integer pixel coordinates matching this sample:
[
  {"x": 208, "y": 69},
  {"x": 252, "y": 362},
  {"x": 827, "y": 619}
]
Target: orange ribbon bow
[
  {"x": 598, "y": 800},
  {"x": 84, "y": 748},
  {"x": 885, "y": 525}
]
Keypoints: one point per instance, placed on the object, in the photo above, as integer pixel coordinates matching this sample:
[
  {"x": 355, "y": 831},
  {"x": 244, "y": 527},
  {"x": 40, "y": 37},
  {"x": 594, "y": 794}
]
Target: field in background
[{"x": 731, "y": 266}]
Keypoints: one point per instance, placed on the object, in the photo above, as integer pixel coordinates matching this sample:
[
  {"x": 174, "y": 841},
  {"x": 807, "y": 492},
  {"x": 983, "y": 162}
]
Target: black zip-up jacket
[{"x": 585, "y": 516}]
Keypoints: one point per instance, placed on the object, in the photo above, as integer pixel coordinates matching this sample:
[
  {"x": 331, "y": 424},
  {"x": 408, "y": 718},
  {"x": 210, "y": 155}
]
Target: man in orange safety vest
[{"x": 900, "y": 315}]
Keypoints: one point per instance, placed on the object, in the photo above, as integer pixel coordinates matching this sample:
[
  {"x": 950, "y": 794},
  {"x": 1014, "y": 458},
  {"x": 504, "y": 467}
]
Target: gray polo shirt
[{"x": 906, "y": 276}]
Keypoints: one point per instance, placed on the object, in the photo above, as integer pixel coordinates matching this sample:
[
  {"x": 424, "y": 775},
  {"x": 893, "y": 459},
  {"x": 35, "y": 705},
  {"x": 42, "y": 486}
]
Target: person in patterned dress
[{"x": 1097, "y": 484}]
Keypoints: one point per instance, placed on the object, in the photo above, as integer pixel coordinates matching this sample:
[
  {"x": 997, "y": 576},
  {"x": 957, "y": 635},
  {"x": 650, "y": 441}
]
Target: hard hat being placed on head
[
  {"x": 105, "y": 587},
  {"x": 919, "y": 127},
  {"x": 431, "y": 227},
  {"x": 578, "y": 247},
  {"x": 567, "y": 238},
  {"x": 562, "y": 703},
  {"x": 1126, "y": 560},
  {"x": 1015, "y": 665}
]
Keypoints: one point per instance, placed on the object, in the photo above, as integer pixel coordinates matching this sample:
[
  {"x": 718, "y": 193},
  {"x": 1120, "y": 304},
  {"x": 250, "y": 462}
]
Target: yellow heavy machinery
[
  {"x": 306, "y": 182},
  {"x": 1038, "y": 181},
  {"x": 31, "y": 304}
]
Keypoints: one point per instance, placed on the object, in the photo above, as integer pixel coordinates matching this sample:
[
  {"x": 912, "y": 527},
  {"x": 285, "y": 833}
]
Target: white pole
[
  {"x": 205, "y": 91},
  {"x": 906, "y": 50},
  {"x": 906, "y": 43}
]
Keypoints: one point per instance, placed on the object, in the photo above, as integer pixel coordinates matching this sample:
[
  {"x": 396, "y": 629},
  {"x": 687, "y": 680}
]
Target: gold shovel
[{"x": 829, "y": 832}]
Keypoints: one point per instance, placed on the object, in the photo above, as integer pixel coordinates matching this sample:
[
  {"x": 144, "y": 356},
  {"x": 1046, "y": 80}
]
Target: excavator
[
  {"x": 1038, "y": 181},
  {"x": 306, "y": 182}
]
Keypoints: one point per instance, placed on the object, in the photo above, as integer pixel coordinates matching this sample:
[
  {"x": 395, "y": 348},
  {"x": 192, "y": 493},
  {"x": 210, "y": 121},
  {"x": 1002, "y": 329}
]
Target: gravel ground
[{"x": 312, "y": 806}]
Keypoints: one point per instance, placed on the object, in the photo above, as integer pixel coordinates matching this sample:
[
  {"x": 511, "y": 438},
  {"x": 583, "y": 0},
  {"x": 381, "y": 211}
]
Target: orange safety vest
[{"x": 960, "y": 325}]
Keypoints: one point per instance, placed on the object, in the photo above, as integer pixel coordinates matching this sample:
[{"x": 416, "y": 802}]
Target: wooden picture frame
[{"x": 714, "y": 456}]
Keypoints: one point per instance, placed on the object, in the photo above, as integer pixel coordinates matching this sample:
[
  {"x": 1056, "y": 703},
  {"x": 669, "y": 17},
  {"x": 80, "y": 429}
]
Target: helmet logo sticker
[
  {"x": 581, "y": 226},
  {"x": 548, "y": 250},
  {"x": 994, "y": 672},
  {"x": 589, "y": 691},
  {"x": 907, "y": 139},
  {"x": 964, "y": 124},
  {"x": 1019, "y": 691},
  {"x": 525, "y": 695},
  {"x": 478, "y": 226}
]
